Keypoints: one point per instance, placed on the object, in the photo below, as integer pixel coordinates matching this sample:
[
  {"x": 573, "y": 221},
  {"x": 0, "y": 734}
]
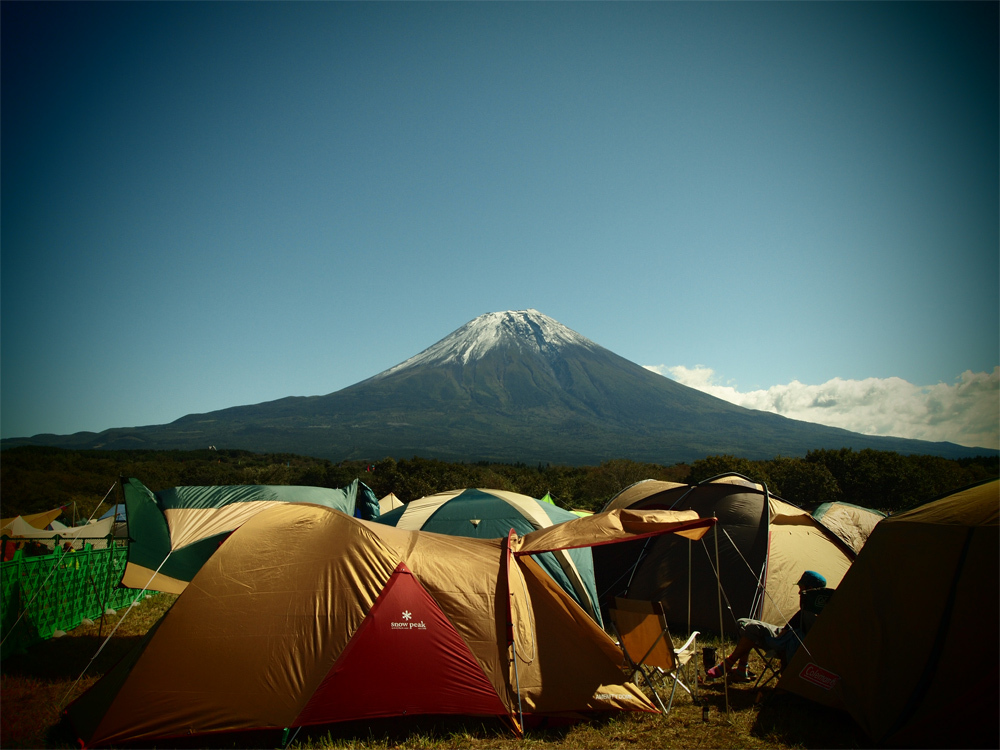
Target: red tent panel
[{"x": 406, "y": 658}]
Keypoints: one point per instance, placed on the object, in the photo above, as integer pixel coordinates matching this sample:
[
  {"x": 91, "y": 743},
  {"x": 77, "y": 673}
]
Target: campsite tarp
[
  {"x": 75, "y": 536},
  {"x": 36, "y": 520},
  {"x": 910, "y": 643},
  {"x": 852, "y": 523},
  {"x": 491, "y": 514},
  {"x": 764, "y": 546},
  {"x": 174, "y": 531},
  {"x": 307, "y": 616}
]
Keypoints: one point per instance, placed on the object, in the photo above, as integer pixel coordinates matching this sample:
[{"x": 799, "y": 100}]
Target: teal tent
[
  {"x": 173, "y": 532},
  {"x": 491, "y": 514}
]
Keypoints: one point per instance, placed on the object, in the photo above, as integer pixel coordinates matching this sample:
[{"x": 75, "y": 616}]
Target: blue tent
[{"x": 118, "y": 512}]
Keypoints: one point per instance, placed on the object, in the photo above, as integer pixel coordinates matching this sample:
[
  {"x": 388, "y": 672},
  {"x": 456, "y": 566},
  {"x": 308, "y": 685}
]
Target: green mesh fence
[{"x": 53, "y": 592}]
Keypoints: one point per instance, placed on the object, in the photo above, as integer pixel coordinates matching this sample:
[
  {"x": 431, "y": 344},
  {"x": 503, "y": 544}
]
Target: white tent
[
  {"x": 389, "y": 502},
  {"x": 93, "y": 532}
]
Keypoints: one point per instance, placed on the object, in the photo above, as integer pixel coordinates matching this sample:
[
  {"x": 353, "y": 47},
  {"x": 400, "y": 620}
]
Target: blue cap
[{"x": 812, "y": 580}]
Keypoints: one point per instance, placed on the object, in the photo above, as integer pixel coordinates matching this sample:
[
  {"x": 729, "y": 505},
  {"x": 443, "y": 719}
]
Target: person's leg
[
  {"x": 752, "y": 633},
  {"x": 739, "y": 656},
  {"x": 741, "y": 653}
]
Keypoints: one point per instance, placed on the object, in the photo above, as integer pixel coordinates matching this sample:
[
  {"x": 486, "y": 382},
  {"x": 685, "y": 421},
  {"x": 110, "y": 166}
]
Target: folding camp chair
[
  {"x": 771, "y": 669},
  {"x": 649, "y": 650},
  {"x": 811, "y": 604}
]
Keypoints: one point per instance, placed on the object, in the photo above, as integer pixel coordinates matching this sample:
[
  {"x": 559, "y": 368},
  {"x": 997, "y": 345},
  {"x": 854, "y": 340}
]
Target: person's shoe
[
  {"x": 741, "y": 675},
  {"x": 716, "y": 672}
]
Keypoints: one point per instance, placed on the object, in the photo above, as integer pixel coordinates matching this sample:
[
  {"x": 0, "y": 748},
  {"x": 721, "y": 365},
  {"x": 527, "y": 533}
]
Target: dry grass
[{"x": 35, "y": 687}]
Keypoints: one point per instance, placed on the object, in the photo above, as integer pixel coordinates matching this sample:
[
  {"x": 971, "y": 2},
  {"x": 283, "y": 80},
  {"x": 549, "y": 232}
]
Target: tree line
[{"x": 84, "y": 482}]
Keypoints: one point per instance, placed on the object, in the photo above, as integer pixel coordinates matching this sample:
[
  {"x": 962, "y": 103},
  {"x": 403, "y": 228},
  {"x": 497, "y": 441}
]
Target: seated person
[{"x": 782, "y": 641}]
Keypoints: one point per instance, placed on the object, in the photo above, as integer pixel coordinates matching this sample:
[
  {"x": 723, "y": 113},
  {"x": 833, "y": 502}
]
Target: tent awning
[{"x": 614, "y": 526}]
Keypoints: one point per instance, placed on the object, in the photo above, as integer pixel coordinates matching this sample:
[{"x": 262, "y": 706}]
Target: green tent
[
  {"x": 491, "y": 514},
  {"x": 547, "y": 498},
  {"x": 173, "y": 532}
]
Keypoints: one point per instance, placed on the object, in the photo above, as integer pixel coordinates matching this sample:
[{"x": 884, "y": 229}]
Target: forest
[{"x": 84, "y": 482}]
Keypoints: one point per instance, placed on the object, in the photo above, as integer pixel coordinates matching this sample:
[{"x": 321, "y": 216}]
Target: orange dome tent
[{"x": 286, "y": 623}]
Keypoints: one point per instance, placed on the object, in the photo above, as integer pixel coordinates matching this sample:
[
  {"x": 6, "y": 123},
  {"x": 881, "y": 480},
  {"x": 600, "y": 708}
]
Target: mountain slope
[{"x": 508, "y": 386}]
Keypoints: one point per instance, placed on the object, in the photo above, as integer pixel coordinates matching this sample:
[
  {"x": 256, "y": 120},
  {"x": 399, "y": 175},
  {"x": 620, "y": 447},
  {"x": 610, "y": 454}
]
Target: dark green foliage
[
  {"x": 811, "y": 482},
  {"x": 34, "y": 479},
  {"x": 889, "y": 481},
  {"x": 881, "y": 480}
]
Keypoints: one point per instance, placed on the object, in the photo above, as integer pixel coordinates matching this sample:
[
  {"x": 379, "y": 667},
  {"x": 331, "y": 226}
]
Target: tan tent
[
  {"x": 910, "y": 643},
  {"x": 633, "y": 493},
  {"x": 852, "y": 523},
  {"x": 765, "y": 544},
  {"x": 307, "y": 616}
]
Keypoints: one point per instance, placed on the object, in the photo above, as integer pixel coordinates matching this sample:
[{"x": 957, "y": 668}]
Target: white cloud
[{"x": 966, "y": 412}]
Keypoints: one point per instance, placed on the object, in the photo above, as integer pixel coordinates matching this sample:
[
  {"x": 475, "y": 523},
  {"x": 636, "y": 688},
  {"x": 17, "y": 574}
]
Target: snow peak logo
[
  {"x": 819, "y": 676},
  {"x": 408, "y": 623}
]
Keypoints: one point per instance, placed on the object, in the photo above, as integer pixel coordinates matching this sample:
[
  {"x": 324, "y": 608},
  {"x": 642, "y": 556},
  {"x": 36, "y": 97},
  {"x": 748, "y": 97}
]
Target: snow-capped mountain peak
[{"x": 528, "y": 329}]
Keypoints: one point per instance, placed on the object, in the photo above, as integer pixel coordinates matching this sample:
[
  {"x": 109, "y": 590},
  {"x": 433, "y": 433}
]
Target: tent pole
[
  {"x": 690, "y": 542},
  {"x": 511, "y": 639},
  {"x": 722, "y": 637},
  {"x": 635, "y": 567},
  {"x": 630, "y": 573}
]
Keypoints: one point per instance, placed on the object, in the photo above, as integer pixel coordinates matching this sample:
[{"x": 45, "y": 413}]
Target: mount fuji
[{"x": 513, "y": 386}]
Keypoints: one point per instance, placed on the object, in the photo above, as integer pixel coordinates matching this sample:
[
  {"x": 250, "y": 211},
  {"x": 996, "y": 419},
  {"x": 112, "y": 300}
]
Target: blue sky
[{"x": 214, "y": 204}]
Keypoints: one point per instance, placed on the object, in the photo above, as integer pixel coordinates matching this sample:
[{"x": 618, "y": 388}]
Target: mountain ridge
[{"x": 513, "y": 386}]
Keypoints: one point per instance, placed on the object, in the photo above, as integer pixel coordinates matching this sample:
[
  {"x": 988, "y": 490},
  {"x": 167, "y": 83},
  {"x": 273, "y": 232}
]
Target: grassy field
[{"x": 36, "y": 686}]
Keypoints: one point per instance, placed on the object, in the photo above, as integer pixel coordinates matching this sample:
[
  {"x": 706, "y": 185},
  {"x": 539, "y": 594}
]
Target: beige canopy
[
  {"x": 94, "y": 532},
  {"x": 35, "y": 520}
]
